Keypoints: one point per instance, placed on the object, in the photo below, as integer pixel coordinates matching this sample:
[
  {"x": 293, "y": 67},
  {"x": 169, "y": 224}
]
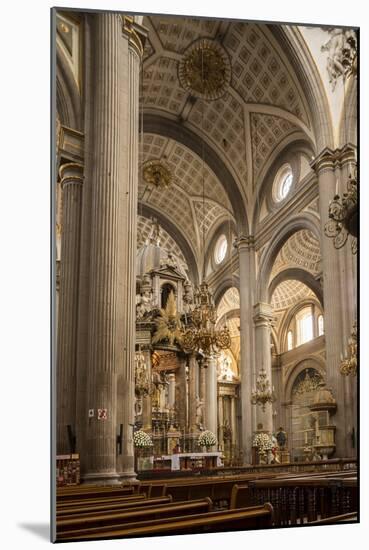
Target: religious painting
[{"x": 204, "y": 202}]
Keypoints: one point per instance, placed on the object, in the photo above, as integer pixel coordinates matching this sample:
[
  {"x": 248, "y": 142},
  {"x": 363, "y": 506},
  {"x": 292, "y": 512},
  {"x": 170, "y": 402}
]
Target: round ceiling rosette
[{"x": 205, "y": 69}]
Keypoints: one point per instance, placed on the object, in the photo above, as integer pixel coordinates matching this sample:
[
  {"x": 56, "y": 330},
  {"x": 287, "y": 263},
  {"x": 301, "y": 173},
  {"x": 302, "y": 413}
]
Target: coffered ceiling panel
[
  {"x": 177, "y": 33},
  {"x": 289, "y": 293},
  {"x": 301, "y": 250},
  {"x": 267, "y": 132},
  {"x": 167, "y": 243},
  {"x": 230, "y": 301}
]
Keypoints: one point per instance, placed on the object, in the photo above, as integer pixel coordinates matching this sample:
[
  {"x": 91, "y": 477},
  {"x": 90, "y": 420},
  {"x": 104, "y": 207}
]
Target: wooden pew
[
  {"x": 98, "y": 501},
  {"x": 342, "y": 518},
  {"x": 117, "y": 520},
  {"x": 93, "y": 491},
  {"x": 106, "y": 508},
  {"x": 256, "y": 517},
  {"x": 304, "y": 500}
]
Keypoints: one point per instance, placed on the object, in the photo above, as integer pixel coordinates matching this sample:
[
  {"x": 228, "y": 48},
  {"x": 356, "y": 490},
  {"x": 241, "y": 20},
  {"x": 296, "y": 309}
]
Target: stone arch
[
  {"x": 176, "y": 233},
  {"x": 298, "y": 274},
  {"x": 227, "y": 227},
  {"x": 306, "y": 71},
  {"x": 163, "y": 126},
  {"x": 222, "y": 288},
  {"x": 285, "y": 229},
  {"x": 348, "y": 121},
  {"x": 316, "y": 362},
  {"x": 282, "y": 154},
  {"x": 291, "y": 313},
  {"x": 68, "y": 99}
]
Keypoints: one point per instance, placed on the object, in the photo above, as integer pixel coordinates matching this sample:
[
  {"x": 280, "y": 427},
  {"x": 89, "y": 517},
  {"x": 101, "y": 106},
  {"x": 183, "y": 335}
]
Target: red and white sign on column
[{"x": 102, "y": 414}]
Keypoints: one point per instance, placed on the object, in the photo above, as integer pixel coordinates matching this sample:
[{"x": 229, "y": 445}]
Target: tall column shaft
[
  {"x": 333, "y": 308},
  {"x": 233, "y": 420},
  {"x": 146, "y": 400},
  {"x": 181, "y": 391},
  {"x": 114, "y": 180},
  {"x": 263, "y": 318},
  {"x": 246, "y": 255},
  {"x": 211, "y": 395},
  {"x": 220, "y": 421},
  {"x": 71, "y": 184},
  {"x": 193, "y": 367}
]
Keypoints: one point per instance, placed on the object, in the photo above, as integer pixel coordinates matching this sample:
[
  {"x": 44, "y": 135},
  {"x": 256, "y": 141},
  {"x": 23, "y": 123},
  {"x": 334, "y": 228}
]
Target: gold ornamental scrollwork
[
  {"x": 157, "y": 173},
  {"x": 205, "y": 70},
  {"x": 130, "y": 28}
]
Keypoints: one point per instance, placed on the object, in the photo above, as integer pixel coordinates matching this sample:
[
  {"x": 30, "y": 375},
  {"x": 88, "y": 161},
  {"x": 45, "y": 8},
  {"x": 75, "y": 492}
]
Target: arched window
[
  {"x": 304, "y": 319},
  {"x": 289, "y": 340},
  {"x": 320, "y": 325},
  {"x": 220, "y": 250},
  {"x": 165, "y": 291},
  {"x": 282, "y": 183}
]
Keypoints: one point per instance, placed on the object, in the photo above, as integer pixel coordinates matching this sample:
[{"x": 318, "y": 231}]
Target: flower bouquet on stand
[
  {"x": 207, "y": 439},
  {"x": 264, "y": 444},
  {"x": 143, "y": 450}
]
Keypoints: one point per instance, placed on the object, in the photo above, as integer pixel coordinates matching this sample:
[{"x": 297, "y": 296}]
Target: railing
[{"x": 332, "y": 465}]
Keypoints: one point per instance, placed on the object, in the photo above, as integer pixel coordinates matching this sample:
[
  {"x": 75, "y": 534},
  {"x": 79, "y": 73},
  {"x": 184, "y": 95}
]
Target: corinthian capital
[{"x": 263, "y": 314}]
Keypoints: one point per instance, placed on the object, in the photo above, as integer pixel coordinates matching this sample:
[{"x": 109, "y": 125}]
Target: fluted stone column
[
  {"x": 334, "y": 312},
  {"x": 181, "y": 393},
  {"x": 71, "y": 183},
  {"x": 220, "y": 421},
  {"x": 114, "y": 181},
  {"x": 263, "y": 316},
  {"x": 146, "y": 400},
  {"x": 193, "y": 367},
  {"x": 233, "y": 420},
  {"x": 172, "y": 390},
  {"x": 211, "y": 395},
  {"x": 246, "y": 254}
]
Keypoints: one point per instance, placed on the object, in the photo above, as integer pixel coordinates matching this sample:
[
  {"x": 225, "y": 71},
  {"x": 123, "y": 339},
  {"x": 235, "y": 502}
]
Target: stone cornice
[
  {"x": 329, "y": 159},
  {"x": 245, "y": 241},
  {"x": 263, "y": 314},
  {"x": 71, "y": 144}
]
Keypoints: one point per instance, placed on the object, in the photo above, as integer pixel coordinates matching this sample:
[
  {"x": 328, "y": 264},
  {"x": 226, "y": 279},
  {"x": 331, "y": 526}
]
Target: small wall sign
[{"x": 102, "y": 414}]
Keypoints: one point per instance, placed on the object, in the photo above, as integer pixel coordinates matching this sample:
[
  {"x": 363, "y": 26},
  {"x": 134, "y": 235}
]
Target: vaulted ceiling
[{"x": 261, "y": 107}]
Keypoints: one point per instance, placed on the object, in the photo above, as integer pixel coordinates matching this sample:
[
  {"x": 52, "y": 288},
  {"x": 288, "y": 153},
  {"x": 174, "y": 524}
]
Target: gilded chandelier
[
  {"x": 349, "y": 364},
  {"x": 203, "y": 337},
  {"x": 343, "y": 216},
  {"x": 263, "y": 393}
]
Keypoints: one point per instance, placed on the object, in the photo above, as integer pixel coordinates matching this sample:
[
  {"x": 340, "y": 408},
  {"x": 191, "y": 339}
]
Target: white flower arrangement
[
  {"x": 263, "y": 442},
  {"x": 207, "y": 439},
  {"x": 142, "y": 439}
]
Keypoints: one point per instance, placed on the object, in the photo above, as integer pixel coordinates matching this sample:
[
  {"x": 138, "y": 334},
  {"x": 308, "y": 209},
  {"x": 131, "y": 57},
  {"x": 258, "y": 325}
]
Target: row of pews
[{"x": 248, "y": 501}]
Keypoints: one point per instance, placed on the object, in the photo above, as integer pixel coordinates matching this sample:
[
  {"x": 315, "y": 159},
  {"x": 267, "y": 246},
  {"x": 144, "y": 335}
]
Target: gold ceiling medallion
[
  {"x": 157, "y": 173},
  {"x": 205, "y": 70}
]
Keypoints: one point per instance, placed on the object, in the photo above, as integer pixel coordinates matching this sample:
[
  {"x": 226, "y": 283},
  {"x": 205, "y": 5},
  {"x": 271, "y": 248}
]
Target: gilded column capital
[
  {"x": 71, "y": 173},
  {"x": 263, "y": 315},
  {"x": 135, "y": 33},
  {"x": 245, "y": 242}
]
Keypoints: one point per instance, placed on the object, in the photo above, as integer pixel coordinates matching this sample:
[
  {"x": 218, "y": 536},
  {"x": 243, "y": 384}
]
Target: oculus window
[
  {"x": 220, "y": 249},
  {"x": 282, "y": 183}
]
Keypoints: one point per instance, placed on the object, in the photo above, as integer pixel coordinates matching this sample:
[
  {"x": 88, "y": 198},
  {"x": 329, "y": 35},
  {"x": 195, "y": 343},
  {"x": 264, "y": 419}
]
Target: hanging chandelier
[
  {"x": 349, "y": 364},
  {"x": 263, "y": 393},
  {"x": 342, "y": 215},
  {"x": 203, "y": 337}
]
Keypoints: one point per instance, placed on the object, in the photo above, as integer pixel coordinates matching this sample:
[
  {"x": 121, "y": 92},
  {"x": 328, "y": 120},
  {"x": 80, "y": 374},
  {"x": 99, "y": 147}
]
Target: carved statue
[
  {"x": 342, "y": 50},
  {"x": 144, "y": 305},
  {"x": 225, "y": 367},
  {"x": 188, "y": 298},
  {"x": 281, "y": 438},
  {"x": 199, "y": 413},
  {"x": 227, "y": 431}
]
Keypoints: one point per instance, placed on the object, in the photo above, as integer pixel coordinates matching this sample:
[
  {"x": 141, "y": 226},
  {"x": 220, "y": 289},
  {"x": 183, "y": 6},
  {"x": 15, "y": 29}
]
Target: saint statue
[{"x": 281, "y": 438}]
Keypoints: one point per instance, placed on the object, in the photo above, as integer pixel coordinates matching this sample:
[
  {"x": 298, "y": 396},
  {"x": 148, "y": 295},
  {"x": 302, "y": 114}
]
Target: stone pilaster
[
  {"x": 71, "y": 184},
  {"x": 114, "y": 179},
  {"x": 233, "y": 421},
  {"x": 334, "y": 311},
  {"x": 246, "y": 254},
  {"x": 263, "y": 318},
  {"x": 181, "y": 393},
  {"x": 211, "y": 395}
]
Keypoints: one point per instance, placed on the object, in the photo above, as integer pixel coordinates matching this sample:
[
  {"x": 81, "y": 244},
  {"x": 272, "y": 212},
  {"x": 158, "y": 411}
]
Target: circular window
[
  {"x": 282, "y": 183},
  {"x": 220, "y": 249}
]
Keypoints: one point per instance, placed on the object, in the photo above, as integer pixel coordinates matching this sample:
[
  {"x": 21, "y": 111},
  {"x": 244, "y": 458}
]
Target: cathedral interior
[{"x": 206, "y": 248}]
